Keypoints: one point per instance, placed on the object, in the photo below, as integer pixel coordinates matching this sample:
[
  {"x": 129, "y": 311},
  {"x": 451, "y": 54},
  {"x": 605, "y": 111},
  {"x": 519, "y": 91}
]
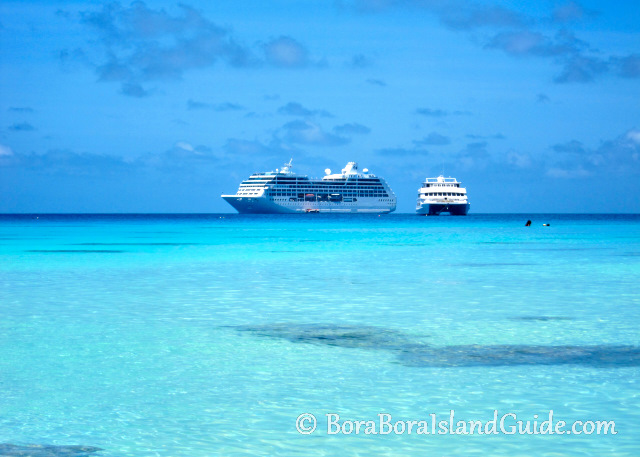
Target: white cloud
[
  {"x": 285, "y": 52},
  {"x": 5, "y": 150},
  {"x": 634, "y": 135},
  {"x": 185, "y": 146},
  {"x": 567, "y": 173}
]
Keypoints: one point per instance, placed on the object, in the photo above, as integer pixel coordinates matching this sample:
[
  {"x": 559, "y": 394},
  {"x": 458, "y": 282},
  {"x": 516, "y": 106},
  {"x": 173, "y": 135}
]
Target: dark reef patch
[
  {"x": 411, "y": 351},
  {"x": 43, "y": 450},
  {"x": 541, "y": 318},
  {"x": 348, "y": 336},
  {"x": 559, "y": 249},
  {"x": 602, "y": 356}
]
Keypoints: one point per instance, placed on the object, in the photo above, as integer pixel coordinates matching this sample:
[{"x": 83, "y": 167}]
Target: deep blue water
[{"x": 200, "y": 335}]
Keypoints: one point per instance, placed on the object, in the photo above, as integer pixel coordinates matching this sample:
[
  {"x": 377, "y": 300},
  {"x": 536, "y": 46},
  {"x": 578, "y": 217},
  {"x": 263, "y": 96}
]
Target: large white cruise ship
[
  {"x": 283, "y": 191},
  {"x": 442, "y": 195}
]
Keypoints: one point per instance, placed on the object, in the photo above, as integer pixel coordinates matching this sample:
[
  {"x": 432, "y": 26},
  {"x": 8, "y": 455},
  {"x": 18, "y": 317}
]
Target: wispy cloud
[
  {"x": 579, "y": 62},
  {"x": 580, "y": 69},
  {"x": 286, "y": 52},
  {"x": 523, "y": 35},
  {"x": 628, "y": 66},
  {"x": 431, "y": 112},
  {"x": 311, "y": 134},
  {"x": 22, "y": 127},
  {"x": 402, "y": 152},
  {"x": 138, "y": 44},
  {"x": 619, "y": 156},
  {"x": 454, "y": 14},
  {"x": 66, "y": 162},
  {"x": 144, "y": 44},
  {"x": 526, "y": 42},
  {"x": 433, "y": 139},
  {"x": 570, "y": 12},
  {"x": 5, "y": 151},
  {"x": 360, "y": 61},
  {"x": 466, "y": 16},
  {"x": 542, "y": 98},
  {"x": 21, "y": 109},
  {"x": 352, "y": 129},
  {"x": 495, "y": 136},
  {"x": 220, "y": 107},
  {"x": 134, "y": 90},
  {"x": 180, "y": 157},
  {"x": 377, "y": 82},
  {"x": 573, "y": 147},
  {"x": 296, "y": 109},
  {"x": 252, "y": 149}
]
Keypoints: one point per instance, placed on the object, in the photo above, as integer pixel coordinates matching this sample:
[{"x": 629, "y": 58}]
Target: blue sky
[{"x": 160, "y": 107}]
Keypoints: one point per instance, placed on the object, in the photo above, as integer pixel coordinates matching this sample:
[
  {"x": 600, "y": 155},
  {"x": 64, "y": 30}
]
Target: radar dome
[
  {"x": 366, "y": 170},
  {"x": 327, "y": 171}
]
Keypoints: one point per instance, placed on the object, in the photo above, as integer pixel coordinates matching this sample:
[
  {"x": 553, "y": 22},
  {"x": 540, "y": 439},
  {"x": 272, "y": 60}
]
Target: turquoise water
[{"x": 209, "y": 335}]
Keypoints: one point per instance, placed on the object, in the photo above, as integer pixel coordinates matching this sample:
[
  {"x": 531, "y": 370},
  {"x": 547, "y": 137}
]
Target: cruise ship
[
  {"x": 442, "y": 195},
  {"x": 283, "y": 191}
]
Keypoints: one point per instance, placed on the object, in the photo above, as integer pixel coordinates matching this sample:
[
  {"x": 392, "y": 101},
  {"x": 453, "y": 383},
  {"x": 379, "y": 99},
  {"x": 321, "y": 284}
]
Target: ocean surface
[{"x": 202, "y": 335}]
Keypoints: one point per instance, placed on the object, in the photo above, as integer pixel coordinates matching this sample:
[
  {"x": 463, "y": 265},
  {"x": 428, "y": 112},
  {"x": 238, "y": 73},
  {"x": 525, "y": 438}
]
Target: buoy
[{"x": 546, "y": 225}]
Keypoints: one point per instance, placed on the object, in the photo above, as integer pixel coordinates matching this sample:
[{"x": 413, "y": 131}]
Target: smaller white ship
[{"x": 442, "y": 195}]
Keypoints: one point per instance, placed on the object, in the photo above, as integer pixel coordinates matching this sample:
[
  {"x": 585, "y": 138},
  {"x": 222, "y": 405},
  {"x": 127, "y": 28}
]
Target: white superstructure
[
  {"x": 283, "y": 191},
  {"x": 442, "y": 195}
]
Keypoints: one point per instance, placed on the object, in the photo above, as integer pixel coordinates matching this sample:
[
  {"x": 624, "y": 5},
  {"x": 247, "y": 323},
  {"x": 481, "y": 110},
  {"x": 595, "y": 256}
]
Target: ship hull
[
  {"x": 261, "y": 205},
  {"x": 435, "y": 209}
]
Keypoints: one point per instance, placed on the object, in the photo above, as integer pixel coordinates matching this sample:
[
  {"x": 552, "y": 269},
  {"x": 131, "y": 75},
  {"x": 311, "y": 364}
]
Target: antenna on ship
[{"x": 287, "y": 166}]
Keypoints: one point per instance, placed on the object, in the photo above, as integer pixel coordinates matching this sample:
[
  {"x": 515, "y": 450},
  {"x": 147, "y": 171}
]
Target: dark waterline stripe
[
  {"x": 137, "y": 244},
  {"x": 75, "y": 251}
]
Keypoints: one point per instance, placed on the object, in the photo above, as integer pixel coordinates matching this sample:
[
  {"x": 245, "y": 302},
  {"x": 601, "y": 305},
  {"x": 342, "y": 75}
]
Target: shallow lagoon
[{"x": 202, "y": 335}]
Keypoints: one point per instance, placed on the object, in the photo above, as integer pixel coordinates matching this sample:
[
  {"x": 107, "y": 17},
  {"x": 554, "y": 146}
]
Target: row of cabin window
[
  {"x": 443, "y": 194},
  {"x": 345, "y": 194}
]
